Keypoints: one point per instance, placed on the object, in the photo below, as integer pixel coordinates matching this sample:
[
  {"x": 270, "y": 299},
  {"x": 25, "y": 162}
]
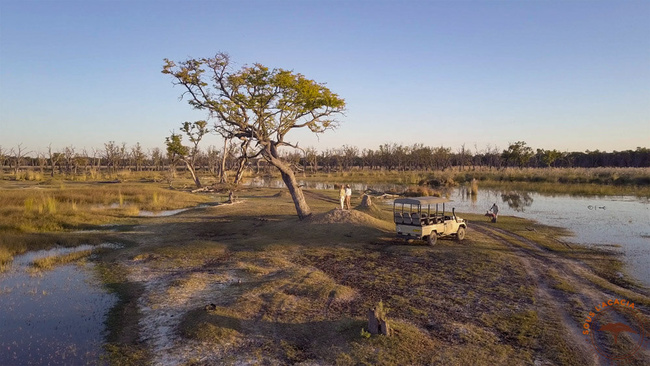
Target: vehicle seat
[
  {"x": 425, "y": 219},
  {"x": 415, "y": 217},
  {"x": 407, "y": 218},
  {"x": 398, "y": 218}
]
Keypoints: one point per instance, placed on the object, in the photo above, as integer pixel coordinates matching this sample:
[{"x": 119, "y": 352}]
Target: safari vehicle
[{"x": 424, "y": 218}]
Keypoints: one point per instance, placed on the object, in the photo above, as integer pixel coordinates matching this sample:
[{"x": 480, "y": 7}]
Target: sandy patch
[{"x": 167, "y": 297}]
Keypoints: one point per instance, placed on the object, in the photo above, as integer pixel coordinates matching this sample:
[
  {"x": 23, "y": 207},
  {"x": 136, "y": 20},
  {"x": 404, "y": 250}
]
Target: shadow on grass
[{"x": 333, "y": 341}]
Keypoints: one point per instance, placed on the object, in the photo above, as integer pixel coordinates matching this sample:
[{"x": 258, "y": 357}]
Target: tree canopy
[{"x": 259, "y": 106}]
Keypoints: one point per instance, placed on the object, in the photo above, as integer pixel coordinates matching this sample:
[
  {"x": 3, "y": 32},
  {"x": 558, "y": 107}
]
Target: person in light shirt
[
  {"x": 348, "y": 196},
  {"x": 495, "y": 212},
  {"x": 342, "y": 196}
]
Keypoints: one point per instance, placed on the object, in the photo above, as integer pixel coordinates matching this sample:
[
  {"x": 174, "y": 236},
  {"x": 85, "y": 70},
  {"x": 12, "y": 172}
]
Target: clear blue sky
[{"x": 567, "y": 75}]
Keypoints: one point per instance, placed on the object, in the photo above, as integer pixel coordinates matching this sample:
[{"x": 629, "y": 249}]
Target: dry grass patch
[
  {"x": 409, "y": 345},
  {"x": 216, "y": 326},
  {"x": 560, "y": 283},
  {"x": 184, "y": 255},
  {"x": 51, "y": 207}
]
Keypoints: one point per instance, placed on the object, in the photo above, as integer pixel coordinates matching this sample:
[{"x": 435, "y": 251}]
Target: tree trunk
[
  {"x": 243, "y": 160},
  {"x": 240, "y": 170},
  {"x": 222, "y": 170},
  {"x": 373, "y": 322},
  {"x": 193, "y": 172},
  {"x": 289, "y": 178}
]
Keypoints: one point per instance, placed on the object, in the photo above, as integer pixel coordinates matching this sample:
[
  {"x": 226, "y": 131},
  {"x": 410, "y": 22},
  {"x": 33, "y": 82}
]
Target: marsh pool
[{"x": 53, "y": 317}]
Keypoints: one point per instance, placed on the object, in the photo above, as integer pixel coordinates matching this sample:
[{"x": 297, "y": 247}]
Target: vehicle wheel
[
  {"x": 432, "y": 239},
  {"x": 460, "y": 235}
]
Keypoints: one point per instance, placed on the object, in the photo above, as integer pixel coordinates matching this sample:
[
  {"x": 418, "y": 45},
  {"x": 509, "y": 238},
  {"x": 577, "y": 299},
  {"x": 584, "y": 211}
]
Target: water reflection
[
  {"x": 54, "y": 317},
  {"x": 517, "y": 200},
  {"x": 621, "y": 222}
]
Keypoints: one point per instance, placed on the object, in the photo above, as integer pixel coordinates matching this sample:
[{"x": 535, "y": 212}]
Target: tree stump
[
  {"x": 373, "y": 321},
  {"x": 384, "y": 327},
  {"x": 365, "y": 201},
  {"x": 377, "y": 324}
]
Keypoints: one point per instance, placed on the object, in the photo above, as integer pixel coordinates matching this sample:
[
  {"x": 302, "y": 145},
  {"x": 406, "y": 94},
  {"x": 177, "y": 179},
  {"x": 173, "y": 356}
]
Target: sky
[{"x": 566, "y": 75}]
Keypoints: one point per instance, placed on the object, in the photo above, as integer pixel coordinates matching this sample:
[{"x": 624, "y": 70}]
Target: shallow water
[
  {"x": 162, "y": 213},
  {"x": 167, "y": 213},
  {"x": 610, "y": 221},
  {"x": 53, "y": 317}
]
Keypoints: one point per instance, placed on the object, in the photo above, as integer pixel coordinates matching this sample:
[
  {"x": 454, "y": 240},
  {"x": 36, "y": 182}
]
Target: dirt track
[{"x": 538, "y": 262}]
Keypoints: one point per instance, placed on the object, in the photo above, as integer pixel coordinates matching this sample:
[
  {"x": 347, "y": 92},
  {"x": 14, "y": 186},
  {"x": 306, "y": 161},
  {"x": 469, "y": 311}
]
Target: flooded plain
[{"x": 53, "y": 317}]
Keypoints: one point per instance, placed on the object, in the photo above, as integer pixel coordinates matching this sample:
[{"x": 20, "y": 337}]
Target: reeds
[
  {"x": 46, "y": 204},
  {"x": 420, "y": 191},
  {"x": 55, "y": 260},
  {"x": 473, "y": 188},
  {"x": 5, "y": 258}
]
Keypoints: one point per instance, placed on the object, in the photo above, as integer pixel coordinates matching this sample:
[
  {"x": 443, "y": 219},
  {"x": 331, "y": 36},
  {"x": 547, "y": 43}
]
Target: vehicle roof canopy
[{"x": 421, "y": 200}]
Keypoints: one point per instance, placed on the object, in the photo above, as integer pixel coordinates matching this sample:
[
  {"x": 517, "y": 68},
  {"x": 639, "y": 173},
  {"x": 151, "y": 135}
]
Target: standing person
[
  {"x": 348, "y": 196},
  {"x": 342, "y": 196},
  {"x": 495, "y": 212}
]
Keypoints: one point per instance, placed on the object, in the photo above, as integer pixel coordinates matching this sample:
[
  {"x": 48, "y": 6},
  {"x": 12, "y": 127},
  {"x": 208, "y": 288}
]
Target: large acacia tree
[{"x": 259, "y": 106}]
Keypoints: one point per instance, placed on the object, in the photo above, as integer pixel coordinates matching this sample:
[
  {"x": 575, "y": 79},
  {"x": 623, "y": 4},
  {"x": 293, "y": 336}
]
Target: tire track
[
  {"x": 554, "y": 304},
  {"x": 537, "y": 258}
]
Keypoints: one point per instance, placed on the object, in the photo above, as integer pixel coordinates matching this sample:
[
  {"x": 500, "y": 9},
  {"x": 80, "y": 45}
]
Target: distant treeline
[
  {"x": 420, "y": 157},
  {"x": 114, "y": 157}
]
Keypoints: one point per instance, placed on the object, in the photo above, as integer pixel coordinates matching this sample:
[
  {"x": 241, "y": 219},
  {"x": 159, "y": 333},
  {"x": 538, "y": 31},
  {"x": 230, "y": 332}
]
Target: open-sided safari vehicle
[{"x": 423, "y": 218}]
